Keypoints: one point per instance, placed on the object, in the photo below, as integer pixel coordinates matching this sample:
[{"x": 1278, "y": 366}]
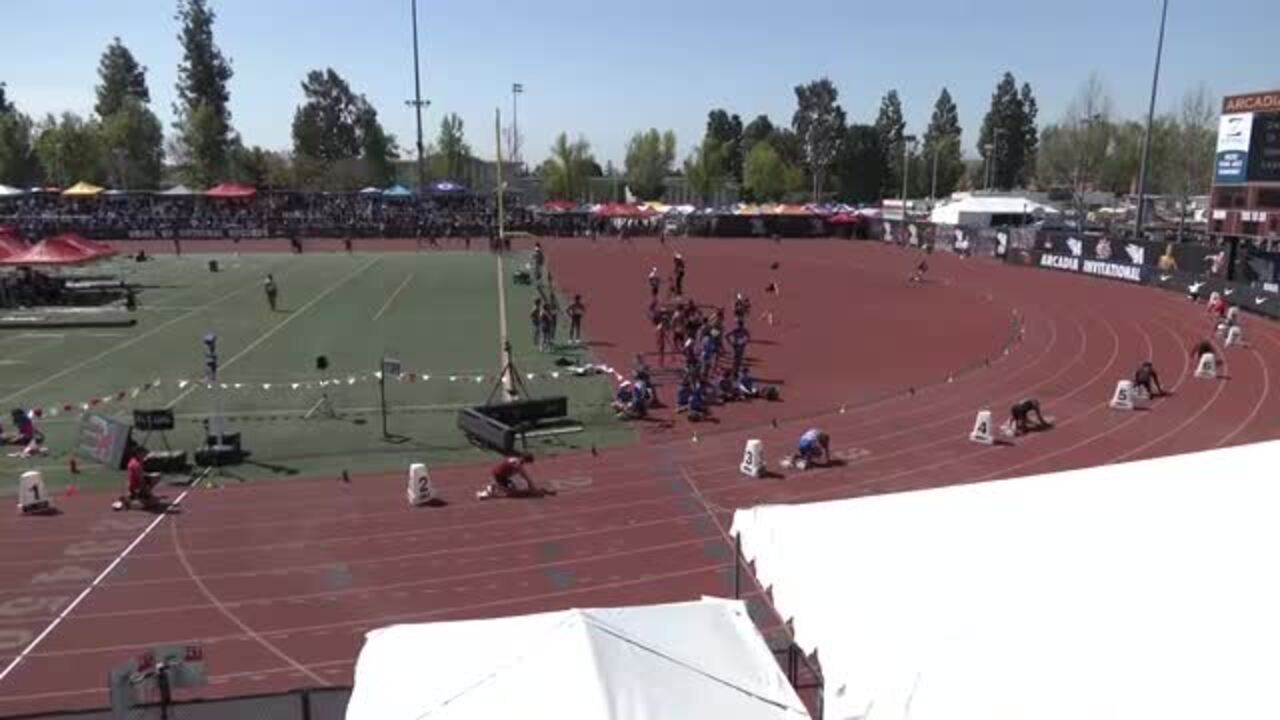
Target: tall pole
[
  {"x": 907, "y": 140},
  {"x": 1151, "y": 118},
  {"x": 517, "y": 90},
  {"x": 497, "y": 132},
  {"x": 417, "y": 102}
]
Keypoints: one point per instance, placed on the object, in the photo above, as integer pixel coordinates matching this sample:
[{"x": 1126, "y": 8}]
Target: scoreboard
[{"x": 1246, "y": 179}]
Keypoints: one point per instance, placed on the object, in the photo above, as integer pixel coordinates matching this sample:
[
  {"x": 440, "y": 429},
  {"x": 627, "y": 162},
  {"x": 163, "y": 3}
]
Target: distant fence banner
[
  {"x": 1235, "y": 133},
  {"x": 1126, "y": 272}
]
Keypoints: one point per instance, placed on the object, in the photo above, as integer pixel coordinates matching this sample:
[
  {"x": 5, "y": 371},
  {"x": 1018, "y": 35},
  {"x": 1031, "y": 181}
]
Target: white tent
[
  {"x": 6, "y": 191},
  {"x": 1143, "y": 590},
  {"x": 980, "y": 210},
  {"x": 692, "y": 660},
  {"x": 178, "y": 191}
]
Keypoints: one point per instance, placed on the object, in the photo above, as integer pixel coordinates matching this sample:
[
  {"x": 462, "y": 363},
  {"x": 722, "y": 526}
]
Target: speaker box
[{"x": 219, "y": 455}]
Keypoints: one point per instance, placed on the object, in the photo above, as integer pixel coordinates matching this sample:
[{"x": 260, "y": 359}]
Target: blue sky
[{"x": 606, "y": 68}]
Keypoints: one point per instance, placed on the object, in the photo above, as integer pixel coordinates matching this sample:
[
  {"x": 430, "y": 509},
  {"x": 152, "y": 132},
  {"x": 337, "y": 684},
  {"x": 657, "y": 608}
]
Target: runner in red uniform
[{"x": 504, "y": 474}]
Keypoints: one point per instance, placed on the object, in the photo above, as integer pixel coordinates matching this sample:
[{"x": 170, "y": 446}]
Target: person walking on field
[
  {"x": 576, "y": 310},
  {"x": 535, "y": 316},
  {"x": 272, "y": 291}
]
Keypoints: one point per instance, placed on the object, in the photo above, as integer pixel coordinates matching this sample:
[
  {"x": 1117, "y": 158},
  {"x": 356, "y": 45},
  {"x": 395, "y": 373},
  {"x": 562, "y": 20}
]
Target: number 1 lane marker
[{"x": 30, "y": 648}]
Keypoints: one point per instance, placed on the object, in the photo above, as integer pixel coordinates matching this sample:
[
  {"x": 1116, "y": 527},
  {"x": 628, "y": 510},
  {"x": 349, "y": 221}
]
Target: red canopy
[
  {"x": 10, "y": 246},
  {"x": 622, "y": 210},
  {"x": 54, "y": 251},
  {"x": 91, "y": 248},
  {"x": 232, "y": 190},
  {"x": 560, "y": 205},
  {"x": 845, "y": 218}
]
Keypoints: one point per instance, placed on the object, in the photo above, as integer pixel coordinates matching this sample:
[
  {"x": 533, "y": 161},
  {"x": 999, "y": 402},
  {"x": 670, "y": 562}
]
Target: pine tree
[
  {"x": 942, "y": 147},
  {"x": 1003, "y": 140},
  {"x": 1030, "y": 135},
  {"x": 120, "y": 78},
  {"x": 819, "y": 123},
  {"x": 892, "y": 128},
  {"x": 204, "y": 118}
]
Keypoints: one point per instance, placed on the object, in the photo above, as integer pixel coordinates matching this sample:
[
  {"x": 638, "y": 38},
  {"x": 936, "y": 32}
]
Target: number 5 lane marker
[{"x": 30, "y": 648}]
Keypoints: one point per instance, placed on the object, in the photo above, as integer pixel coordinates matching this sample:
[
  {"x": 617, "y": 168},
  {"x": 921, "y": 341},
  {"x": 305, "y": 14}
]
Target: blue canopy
[{"x": 397, "y": 191}]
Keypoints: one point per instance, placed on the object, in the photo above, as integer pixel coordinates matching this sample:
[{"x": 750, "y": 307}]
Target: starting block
[
  {"x": 1123, "y": 399},
  {"x": 1214, "y": 297},
  {"x": 982, "y": 431},
  {"x": 1221, "y": 330},
  {"x": 1207, "y": 368},
  {"x": 1233, "y": 315},
  {"x": 33, "y": 498},
  {"x": 753, "y": 459},
  {"x": 1235, "y": 336},
  {"x": 421, "y": 490}
]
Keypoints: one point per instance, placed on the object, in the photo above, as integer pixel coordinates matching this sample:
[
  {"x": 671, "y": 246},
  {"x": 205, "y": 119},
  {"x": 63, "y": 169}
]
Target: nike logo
[
  {"x": 1165, "y": 278},
  {"x": 1195, "y": 288},
  {"x": 1259, "y": 301},
  {"x": 1229, "y": 292}
]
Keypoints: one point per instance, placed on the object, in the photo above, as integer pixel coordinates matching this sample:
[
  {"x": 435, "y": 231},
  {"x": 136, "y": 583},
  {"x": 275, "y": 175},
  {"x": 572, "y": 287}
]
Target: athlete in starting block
[
  {"x": 504, "y": 474},
  {"x": 1020, "y": 417},
  {"x": 1202, "y": 348},
  {"x": 917, "y": 277},
  {"x": 1148, "y": 379},
  {"x": 814, "y": 449},
  {"x": 140, "y": 486}
]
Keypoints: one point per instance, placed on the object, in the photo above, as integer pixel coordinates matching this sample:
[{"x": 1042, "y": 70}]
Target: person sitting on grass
[
  {"x": 504, "y": 474},
  {"x": 814, "y": 449}
]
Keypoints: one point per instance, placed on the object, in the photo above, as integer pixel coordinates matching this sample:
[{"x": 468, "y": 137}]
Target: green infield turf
[{"x": 436, "y": 312}]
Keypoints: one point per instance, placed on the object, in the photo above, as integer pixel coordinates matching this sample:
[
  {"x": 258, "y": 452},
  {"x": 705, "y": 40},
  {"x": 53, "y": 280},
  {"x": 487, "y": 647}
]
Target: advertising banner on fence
[
  {"x": 1097, "y": 268},
  {"x": 1235, "y": 133},
  {"x": 198, "y": 233}
]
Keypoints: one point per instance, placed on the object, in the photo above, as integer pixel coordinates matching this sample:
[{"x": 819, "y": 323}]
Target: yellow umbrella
[{"x": 82, "y": 189}]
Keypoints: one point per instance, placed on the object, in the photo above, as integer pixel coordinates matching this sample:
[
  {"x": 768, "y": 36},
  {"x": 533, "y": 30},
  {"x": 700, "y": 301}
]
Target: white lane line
[
  {"x": 393, "y": 297},
  {"x": 85, "y": 593},
  {"x": 277, "y": 327}
]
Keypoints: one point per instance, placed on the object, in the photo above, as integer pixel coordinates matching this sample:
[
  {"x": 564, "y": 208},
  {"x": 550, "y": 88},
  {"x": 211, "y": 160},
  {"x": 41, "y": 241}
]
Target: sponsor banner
[
  {"x": 1252, "y": 102},
  {"x": 1235, "y": 134},
  {"x": 198, "y": 233},
  {"x": 1097, "y": 268},
  {"x": 1257, "y": 300}
]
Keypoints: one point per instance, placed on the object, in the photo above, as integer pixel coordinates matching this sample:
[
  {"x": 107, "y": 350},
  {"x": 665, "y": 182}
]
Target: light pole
[
  {"x": 417, "y": 103},
  {"x": 1087, "y": 124},
  {"x": 908, "y": 141},
  {"x": 517, "y": 89},
  {"x": 1151, "y": 117},
  {"x": 937, "y": 149}
]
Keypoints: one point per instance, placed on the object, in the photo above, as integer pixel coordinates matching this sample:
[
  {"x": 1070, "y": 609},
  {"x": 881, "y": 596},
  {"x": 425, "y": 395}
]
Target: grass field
[{"x": 436, "y": 312}]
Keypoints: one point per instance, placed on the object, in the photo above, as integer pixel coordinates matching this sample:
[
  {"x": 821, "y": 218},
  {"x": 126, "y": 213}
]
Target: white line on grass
[
  {"x": 278, "y": 326},
  {"x": 392, "y": 299},
  {"x": 93, "y": 585},
  {"x": 123, "y": 345}
]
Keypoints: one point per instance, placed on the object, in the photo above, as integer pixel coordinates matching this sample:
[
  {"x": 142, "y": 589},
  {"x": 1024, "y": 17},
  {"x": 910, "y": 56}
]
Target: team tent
[
  {"x": 692, "y": 660},
  {"x": 397, "y": 191},
  {"x": 55, "y": 251},
  {"x": 6, "y": 191},
  {"x": 232, "y": 191},
  {"x": 82, "y": 190},
  {"x": 90, "y": 248},
  {"x": 1139, "y": 590},
  {"x": 10, "y": 246},
  {"x": 178, "y": 191},
  {"x": 986, "y": 211}
]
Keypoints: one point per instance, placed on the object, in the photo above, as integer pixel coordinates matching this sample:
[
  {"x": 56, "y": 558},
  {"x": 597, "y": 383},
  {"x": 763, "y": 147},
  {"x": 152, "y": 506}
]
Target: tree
[
  {"x": 649, "y": 160},
  {"x": 1197, "y": 139},
  {"x": 205, "y": 137},
  {"x": 1030, "y": 135},
  {"x": 18, "y": 163},
  {"x": 452, "y": 152},
  {"x": 725, "y": 131},
  {"x": 69, "y": 150},
  {"x": 766, "y": 177},
  {"x": 567, "y": 171},
  {"x": 120, "y": 78},
  {"x": 757, "y": 130},
  {"x": 133, "y": 140},
  {"x": 941, "y": 154},
  {"x": 335, "y": 126},
  {"x": 860, "y": 165},
  {"x": 819, "y": 122},
  {"x": 378, "y": 149},
  {"x": 892, "y": 128},
  {"x": 705, "y": 168},
  {"x": 5, "y": 105},
  {"x": 1003, "y": 142}
]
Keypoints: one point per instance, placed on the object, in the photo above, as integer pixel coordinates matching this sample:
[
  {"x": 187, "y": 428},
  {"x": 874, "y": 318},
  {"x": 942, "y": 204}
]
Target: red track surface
[{"x": 281, "y": 580}]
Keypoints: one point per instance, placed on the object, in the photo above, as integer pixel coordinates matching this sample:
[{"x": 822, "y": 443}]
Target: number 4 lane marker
[{"x": 30, "y": 648}]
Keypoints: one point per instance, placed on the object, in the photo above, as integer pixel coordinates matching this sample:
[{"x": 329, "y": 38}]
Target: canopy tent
[
  {"x": 559, "y": 206},
  {"x": 846, "y": 218},
  {"x": 691, "y": 660},
  {"x": 54, "y": 251},
  {"x": 82, "y": 190},
  {"x": 6, "y": 191},
  {"x": 622, "y": 210},
  {"x": 1139, "y": 590},
  {"x": 90, "y": 248},
  {"x": 11, "y": 246},
  {"x": 397, "y": 191},
  {"x": 371, "y": 191},
  {"x": 178, "y": 191},
  {"x": 984, "y": 211},
  {"x": 446, "y": 186},
  {"x": 232, "y": 191}
]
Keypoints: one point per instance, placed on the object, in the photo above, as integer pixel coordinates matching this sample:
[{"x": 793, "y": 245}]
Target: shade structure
[
  {"x": 683, "y": 661},
  {"x": 232, "y": 191},
  {"x": 397, "y": 191},
  {"x": 371, "y": 191},
  {"x": 52, "y": 252},
  {"x": 446, "y": 186},
  {"x": 82, "y": 190},
  {"x": 91, "y": 248},
  {"x": 559, "y": 206},
  {"x": 845, "y": 218},
  {"x": 623, "y": 210},
  {"x": 6, "y": 191},
  {"x": 178, "y": 191},
  {"x": 11, "y": 246},
  {"x": 1137, "y": 590}
]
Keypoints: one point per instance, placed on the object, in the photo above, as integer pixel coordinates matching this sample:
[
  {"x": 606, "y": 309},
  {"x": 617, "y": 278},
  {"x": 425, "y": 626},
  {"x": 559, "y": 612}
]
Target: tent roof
[
  {"x": 53, "y": 251},
  {"x": 371, "y": 191},
  {"x": 446, "y": 186},
  {"x": 89, "y": 247},
  {"x": 690, "y": 660},
  {"x": 951, "y": 213},
  {"x": 6, "y": 191},
  {"x": 178, "y": 191},
  {"x": 10, "y": 246},
  {"x": 82, "y": 189},
  {"x": 231, "y": 191},
  {"x": 398, "y": 191},
  {"x": 1132, "y": 590}
]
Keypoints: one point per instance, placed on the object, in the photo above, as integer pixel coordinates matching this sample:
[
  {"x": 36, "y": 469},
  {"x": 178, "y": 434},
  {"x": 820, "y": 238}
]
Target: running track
[{"x": 281, "y": 580}]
